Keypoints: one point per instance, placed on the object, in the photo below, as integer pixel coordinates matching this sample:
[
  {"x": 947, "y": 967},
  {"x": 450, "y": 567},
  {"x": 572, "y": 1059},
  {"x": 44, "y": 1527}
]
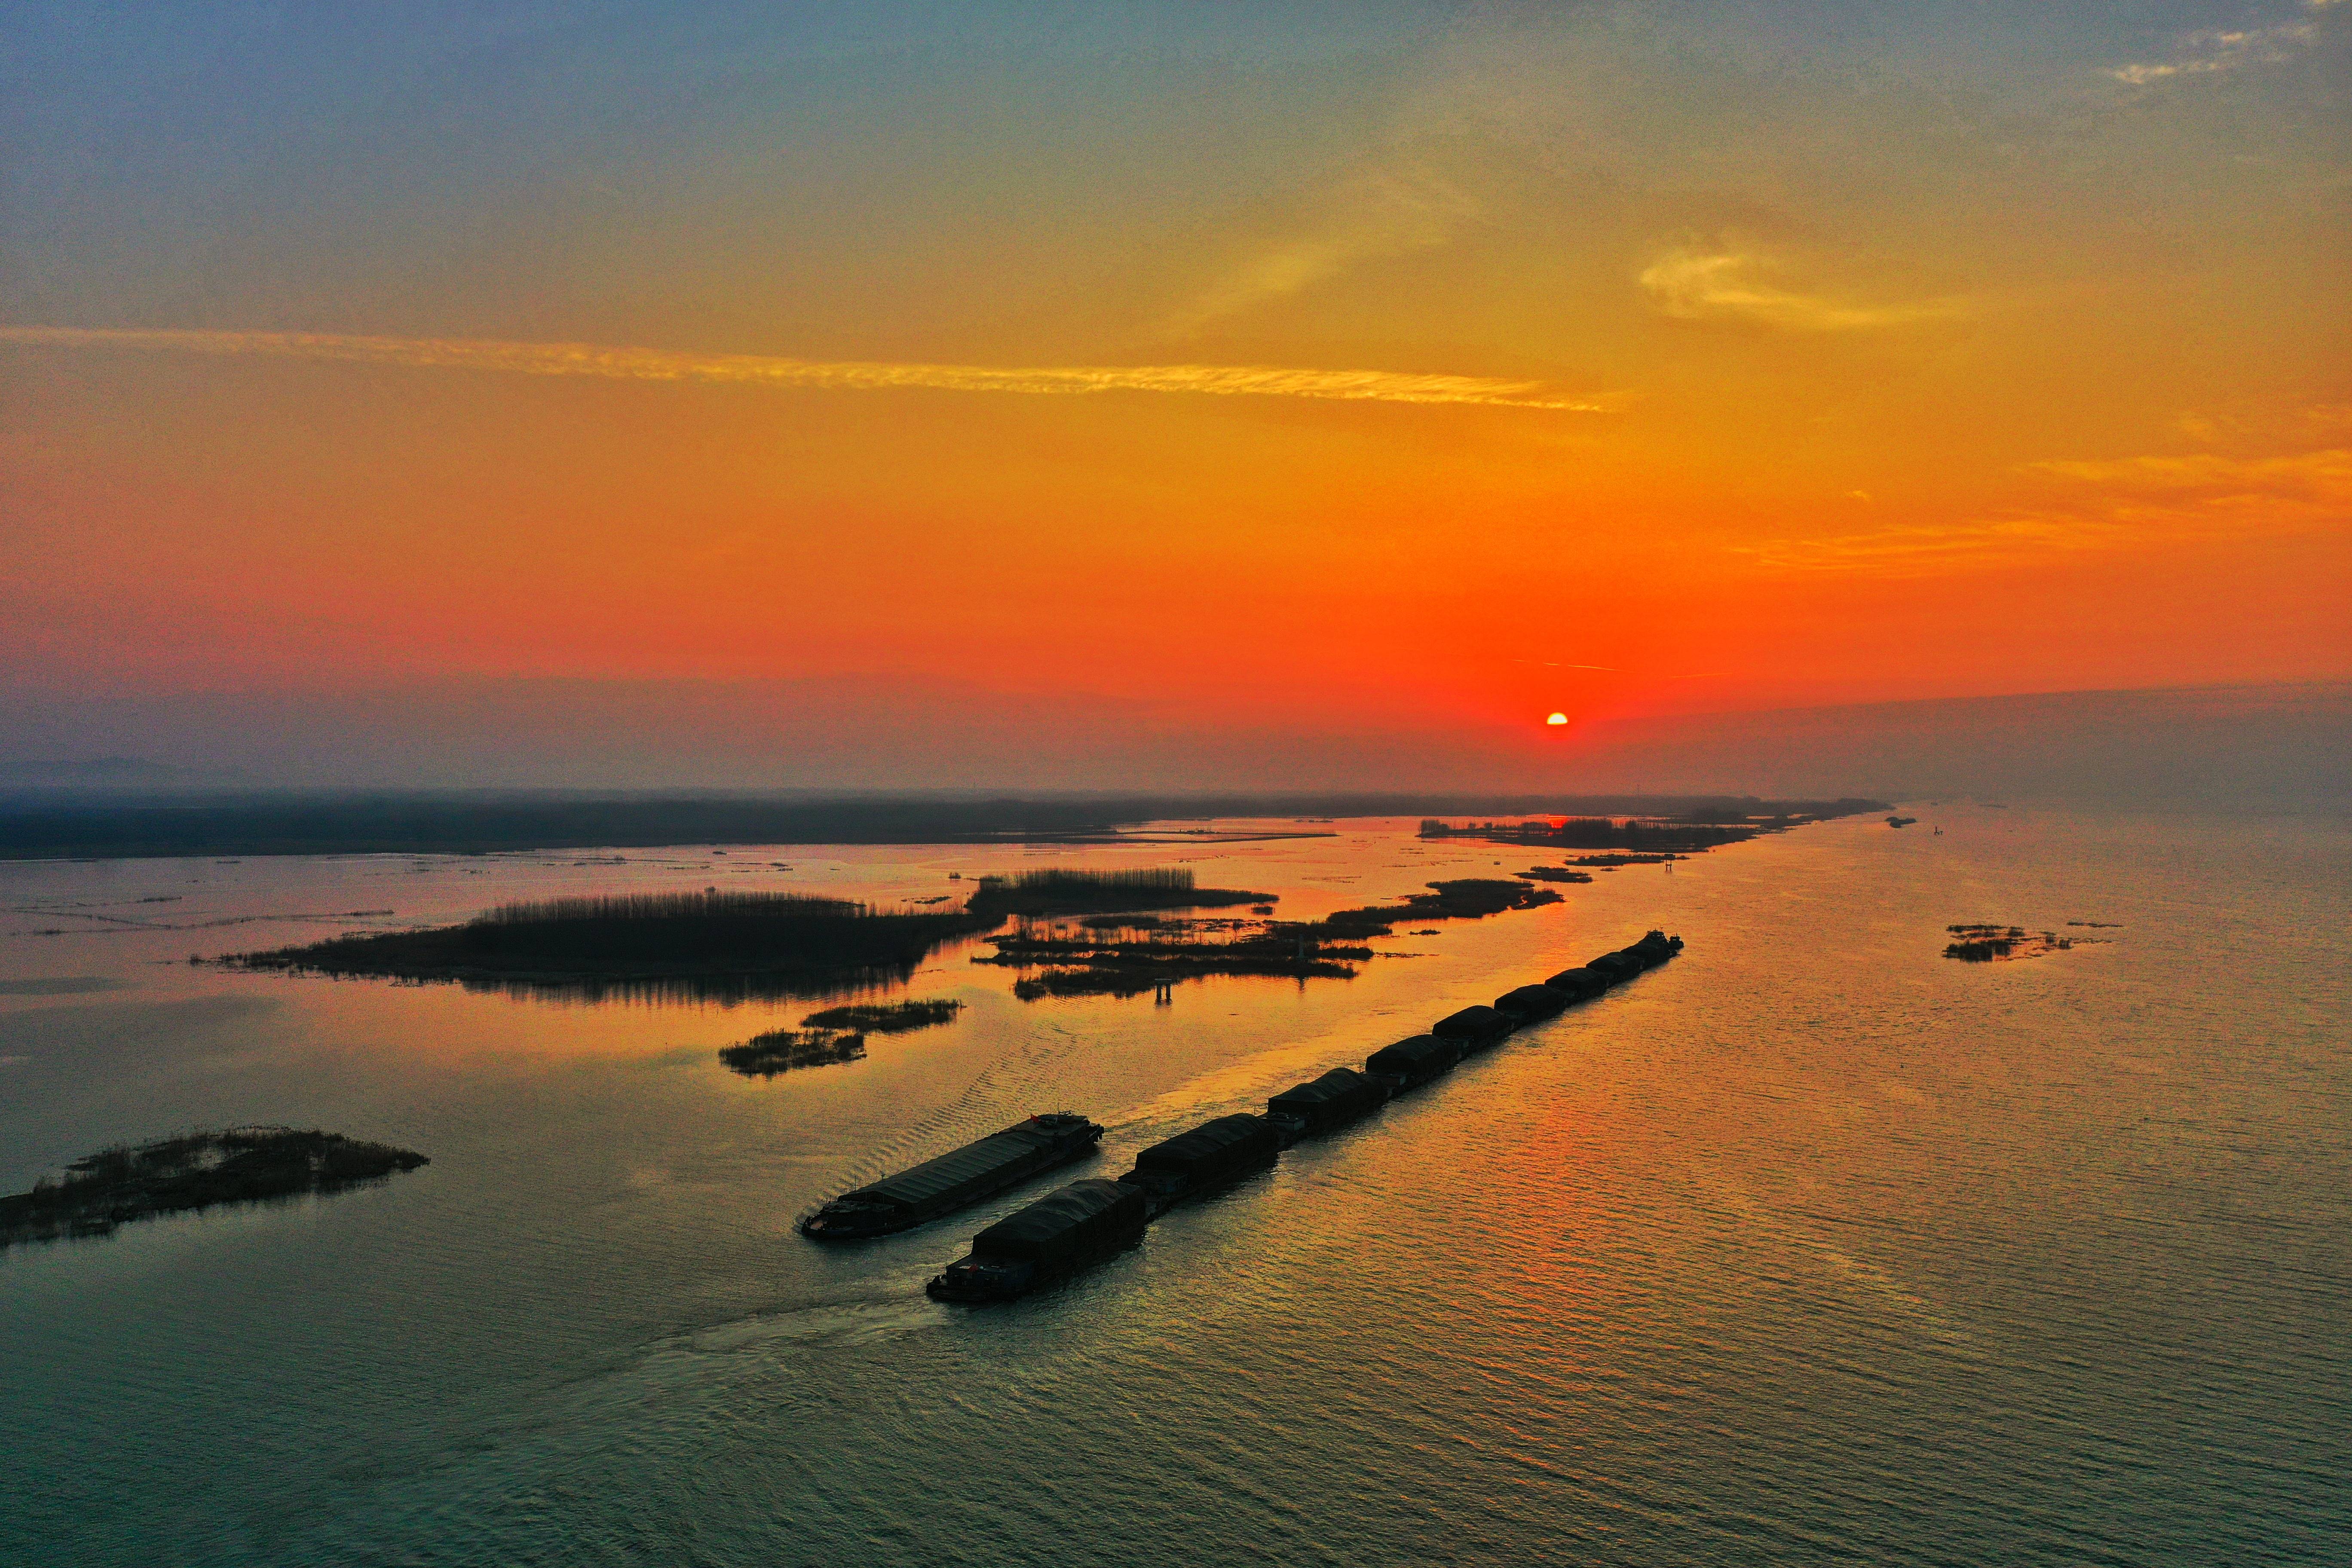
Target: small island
[
  {"x": 196, "y": 1171},
  {"x": 1091, "y": 966},
  {"x": 730, "y": 945},
  {"x": 783, "y": 1050},
  {"x": 1045, "y": 895},
  {"x": 1129, "y": 956},
  {"x": 885, "y": 1017},
  {"x": 772, "y": 942},
  {"x": 1982, "y": 942},
  {"x": 1465, "y": 898},
  {"x": 835, "y": 1034}
]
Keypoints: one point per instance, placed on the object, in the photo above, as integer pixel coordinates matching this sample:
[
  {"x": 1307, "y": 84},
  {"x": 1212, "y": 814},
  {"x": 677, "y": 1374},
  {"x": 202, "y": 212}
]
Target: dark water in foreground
[{"x": 1813, "y": 1246}]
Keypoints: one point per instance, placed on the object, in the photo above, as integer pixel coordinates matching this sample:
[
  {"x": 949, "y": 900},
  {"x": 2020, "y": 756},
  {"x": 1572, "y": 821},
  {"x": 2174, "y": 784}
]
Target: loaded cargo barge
[
  {"x": 955, "y": 1181},
  {"x": 1196, "y": 1164},
  {"x": 1051, "y": 1238},
  {"x": 1059, "y": 1234}
]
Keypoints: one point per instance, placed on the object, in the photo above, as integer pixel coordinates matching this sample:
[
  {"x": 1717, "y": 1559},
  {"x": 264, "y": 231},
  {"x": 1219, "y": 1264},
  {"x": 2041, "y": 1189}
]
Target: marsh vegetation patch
[
  {"x": 195, "y": 1171},
  {"x": 789, "y": 940},
  {"x": 1099, "y": 957},
  {"x": 1984, "y": 942}
]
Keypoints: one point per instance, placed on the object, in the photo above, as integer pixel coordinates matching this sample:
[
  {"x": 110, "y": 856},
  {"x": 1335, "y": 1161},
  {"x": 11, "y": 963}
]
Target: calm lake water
[{"x": 1812, "y": 1246}]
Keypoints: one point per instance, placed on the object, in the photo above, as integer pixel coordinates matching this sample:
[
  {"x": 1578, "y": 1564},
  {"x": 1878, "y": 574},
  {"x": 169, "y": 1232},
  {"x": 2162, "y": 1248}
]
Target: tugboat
[{"x": 956, "y": 1180}]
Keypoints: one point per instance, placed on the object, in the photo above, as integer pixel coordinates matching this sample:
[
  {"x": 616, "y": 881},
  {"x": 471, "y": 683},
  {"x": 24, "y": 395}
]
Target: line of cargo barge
[{"x": 1087, "y": 1220}]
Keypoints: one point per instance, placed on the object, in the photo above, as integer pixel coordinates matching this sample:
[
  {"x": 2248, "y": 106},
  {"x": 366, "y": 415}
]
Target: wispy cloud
[
  {"x": 2212, "y": 50},
  {"x": 2101, "y": 505},
  {"x": 2322, "y": 477},
  {"x": 763, "y": 369},
  {"x": 1368, "y": 213},
  {"x": 1928, "y": 550},
  {"x": 1699, "y": 283}
]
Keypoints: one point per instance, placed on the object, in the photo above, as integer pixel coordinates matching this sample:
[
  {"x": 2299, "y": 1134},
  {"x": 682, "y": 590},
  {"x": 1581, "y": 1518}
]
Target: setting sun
[{"x": 1556, "y": 719}]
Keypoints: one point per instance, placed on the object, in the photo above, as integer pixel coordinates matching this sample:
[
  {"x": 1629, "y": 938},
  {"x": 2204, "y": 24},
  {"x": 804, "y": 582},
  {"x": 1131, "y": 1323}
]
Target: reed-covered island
[
  {"x": 1041, "y": 895},
  {"x": 783, "y": 1050},
  {"x": 728, "y": 943},
  {"x": 195, "y": 1171},
  {"x": 886, "y": 1017},
  {"x": 1126, "y": 958},
  {"x": 835, "y": 1034},
  {"x": 1981, "y": 942},
  {"x": 786, "y": 940}
]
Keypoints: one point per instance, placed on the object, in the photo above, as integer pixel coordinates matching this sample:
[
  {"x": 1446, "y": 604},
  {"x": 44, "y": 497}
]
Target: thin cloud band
[{"x": 761, "y": 370}]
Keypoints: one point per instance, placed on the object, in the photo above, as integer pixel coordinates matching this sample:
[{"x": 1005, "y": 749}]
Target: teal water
[{"x": 1811, "y": 1248}]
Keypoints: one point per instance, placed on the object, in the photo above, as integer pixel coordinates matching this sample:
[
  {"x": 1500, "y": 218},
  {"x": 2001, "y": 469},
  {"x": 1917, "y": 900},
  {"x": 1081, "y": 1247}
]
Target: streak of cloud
[
  {"x": 763, "y": 369},
  {"x": 2117, "y": 503},
  {"x": 1696, "y": 284},
  {"x": 1370, "y": 214},
  {"x": 2323, "y": 475},
  {"x": 2213, "y": 50},
  {"x": 1928, "y": 550}
]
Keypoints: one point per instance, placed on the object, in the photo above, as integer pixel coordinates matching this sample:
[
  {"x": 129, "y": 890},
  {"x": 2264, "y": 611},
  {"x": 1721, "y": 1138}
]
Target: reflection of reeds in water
[
  {"x": 1160, "y": 878},
  {"x": 630, "y": 907},
  {"x": 698, "y": 990}
]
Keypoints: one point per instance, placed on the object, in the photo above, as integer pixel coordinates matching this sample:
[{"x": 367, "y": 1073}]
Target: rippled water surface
[{"x": 1811, "y": 1246}]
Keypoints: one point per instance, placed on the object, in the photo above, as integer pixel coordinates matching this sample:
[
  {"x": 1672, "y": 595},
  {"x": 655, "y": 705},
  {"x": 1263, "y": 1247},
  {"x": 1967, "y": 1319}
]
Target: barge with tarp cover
[
  {"x": 1619, "y": 967},
  {"x": 1325, "y": 1105},
  {"x": 1053, "y": 1236},
  {"x": 1192, "y": 1164},
  {"x": 1654, "y": 949},
  {"x": 1086, "y": 1220},
  {"x": 1410, "y": 1063},
  {"x": 1530, "y": 1004},
  {"x": 956, "y": 1180},
  {"x": 1579, "y": 984},
  {"x": 1473, "y": 1027}
]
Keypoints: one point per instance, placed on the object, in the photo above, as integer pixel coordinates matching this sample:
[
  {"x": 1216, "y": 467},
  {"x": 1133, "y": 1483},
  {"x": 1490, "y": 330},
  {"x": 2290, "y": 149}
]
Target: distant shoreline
[{"x": 49, "y": 828}]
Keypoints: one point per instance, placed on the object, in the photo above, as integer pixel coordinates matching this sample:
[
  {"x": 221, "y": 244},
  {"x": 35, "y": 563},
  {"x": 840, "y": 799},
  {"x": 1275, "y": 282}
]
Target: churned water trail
[{"x": 1812, "y": 1246}]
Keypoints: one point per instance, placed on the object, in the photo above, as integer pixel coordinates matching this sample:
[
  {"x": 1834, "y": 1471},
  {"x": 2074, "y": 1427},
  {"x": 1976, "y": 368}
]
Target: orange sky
[{"x": 1806, "y": 355}]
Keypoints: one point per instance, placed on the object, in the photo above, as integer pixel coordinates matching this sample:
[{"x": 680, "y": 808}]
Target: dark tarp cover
[
  {"x": 1342, "y": 1091},
  {"x": 1228, "y": 1143},
  {"x": 1472, "y": 1023},
  {"x": 1421, "y": 1057},
  {"x": 1578, "y": 985},
  {"x": 1063, "y": 1223},
  {"x": 1530, "y": 1001},
  {"x": 974, "y": 1164}
]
